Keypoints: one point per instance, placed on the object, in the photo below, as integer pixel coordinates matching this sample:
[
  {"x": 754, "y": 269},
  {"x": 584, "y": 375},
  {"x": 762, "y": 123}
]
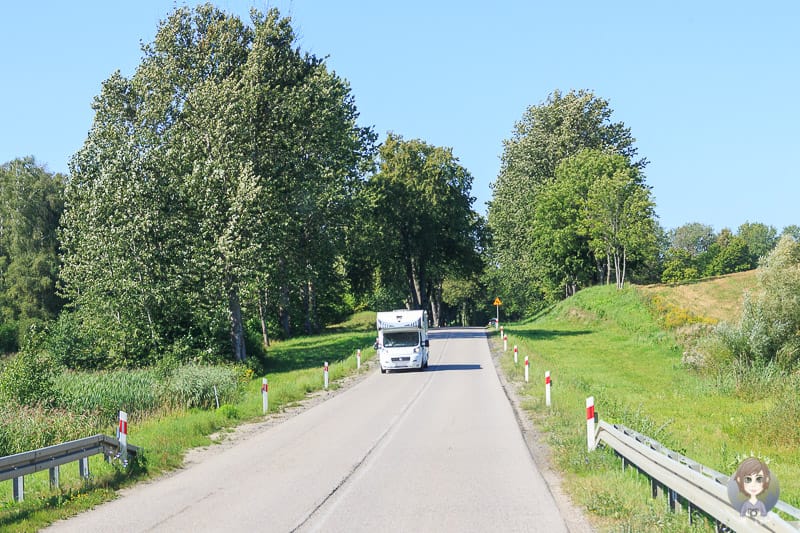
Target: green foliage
[
  {"x": 27, "y": 379},
  {"x": 214, "y": 183},
  {"x": 105, "y": 394},
  {"x": 693, "y": 238},
  {"x": 768, "y": 328},
  {"x": 8, "y": 337},
  {"x": 31, "y": 203},
  {"x": 193, "y": 386},
  {"x": 538, "y": 252},
  {"x": 679, "y": 265},
  {"x": 759, "y": 238},
  {"x": 424, "y": 228},
  {"x": 28, "y": 427}
]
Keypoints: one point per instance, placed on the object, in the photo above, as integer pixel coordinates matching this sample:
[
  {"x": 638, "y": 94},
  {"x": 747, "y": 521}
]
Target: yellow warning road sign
[{"x": 497, "y": 301}]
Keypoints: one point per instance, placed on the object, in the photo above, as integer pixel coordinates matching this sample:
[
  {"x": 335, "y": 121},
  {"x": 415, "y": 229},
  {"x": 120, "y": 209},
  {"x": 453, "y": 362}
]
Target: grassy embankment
[
  {"x": 622, "y": 349},
  {"x": 294, "y": 370}
]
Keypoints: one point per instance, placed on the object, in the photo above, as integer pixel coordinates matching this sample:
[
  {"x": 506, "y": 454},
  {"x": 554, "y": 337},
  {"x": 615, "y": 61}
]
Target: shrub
[
  {"x": 8, "y": 337},
  {"x": 27, "y": 379}
]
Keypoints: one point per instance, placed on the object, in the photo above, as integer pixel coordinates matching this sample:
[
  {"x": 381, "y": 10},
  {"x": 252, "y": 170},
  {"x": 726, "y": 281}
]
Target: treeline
[
  {"x": 571, "y": 208},
  {"x": 695, "y": 250},
  {"x": 226, "y": 195}
]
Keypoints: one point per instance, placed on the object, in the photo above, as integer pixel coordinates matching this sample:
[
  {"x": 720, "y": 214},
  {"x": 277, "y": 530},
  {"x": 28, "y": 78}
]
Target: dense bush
[
  {"x": 8, "y": 338},
  {"x": 27, "y": 379},
  {"x": 768, "y": 328}
]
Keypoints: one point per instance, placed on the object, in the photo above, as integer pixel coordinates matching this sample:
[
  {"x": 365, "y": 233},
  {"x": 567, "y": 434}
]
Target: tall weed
[
  {"x": 194, "y": 386},
  {"x": 26, "y": 427},
  {"x": 106, "y": 393}
]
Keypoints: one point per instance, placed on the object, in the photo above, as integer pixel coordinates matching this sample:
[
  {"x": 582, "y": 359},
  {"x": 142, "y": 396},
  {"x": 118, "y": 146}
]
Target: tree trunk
[
  {"x": 283, "y": 312},
  {"x": 624, "y": 264},
  {"x": 412, "y": 284},
  {"x": 436, "y": 307},
  {"x": 237, "y": 329},
  {"x": 311, "y": 305},
  {"x": 264, "y": 335}
]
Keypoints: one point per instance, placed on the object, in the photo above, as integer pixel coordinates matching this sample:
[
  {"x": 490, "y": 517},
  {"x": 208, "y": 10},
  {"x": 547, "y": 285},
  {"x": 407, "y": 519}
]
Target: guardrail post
[
  {"x": 54, "y": 474},
  {"x": 526, "y": 369},
  {"x": 590, "y": 432},
  {"x": 673, "y": 500},
  {"x": 83, "y": 467},
  {"x": 264, "y": 395},
  {"x": 325, "y": 374},
  {"x": 547, "y": 388},
  {"x": 19, "y": 489}
]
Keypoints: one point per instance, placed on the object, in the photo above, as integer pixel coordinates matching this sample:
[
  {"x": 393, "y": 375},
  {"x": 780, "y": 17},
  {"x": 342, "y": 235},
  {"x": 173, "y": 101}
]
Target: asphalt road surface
[{"x": 438, "y": 450}]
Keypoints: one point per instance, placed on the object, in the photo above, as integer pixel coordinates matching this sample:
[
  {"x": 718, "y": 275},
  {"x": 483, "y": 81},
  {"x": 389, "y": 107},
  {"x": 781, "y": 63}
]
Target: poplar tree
[{"x": 212, "y": 179}]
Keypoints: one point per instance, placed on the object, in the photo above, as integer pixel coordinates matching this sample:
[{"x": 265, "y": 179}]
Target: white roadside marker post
[
  {"x": 515, "y": 354},
  {"x": 590, "y": 440},
  {"x": 325, "y": 375},
  {"x": 526, "y": 369},
  {"x": 358, "y": 359},
  {"x": 505, "y": 343},
  {"x": 123, "y": 437},
  {"x": 547, "y": 388},
  {"x": 264, "y": 395}
]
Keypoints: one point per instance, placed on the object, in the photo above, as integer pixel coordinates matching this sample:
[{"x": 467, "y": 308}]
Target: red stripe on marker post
[
  {"x": 123, "y": 437},
  {"x": 547, "y": 388},
  {"x": 264, "y": 395},
  {"x": 590, "y": 433},
  {"x": 526, "y": 369}
]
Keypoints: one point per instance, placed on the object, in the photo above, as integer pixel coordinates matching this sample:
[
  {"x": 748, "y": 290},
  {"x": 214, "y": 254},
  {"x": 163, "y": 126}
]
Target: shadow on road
[{"x": 457, "y": 333}]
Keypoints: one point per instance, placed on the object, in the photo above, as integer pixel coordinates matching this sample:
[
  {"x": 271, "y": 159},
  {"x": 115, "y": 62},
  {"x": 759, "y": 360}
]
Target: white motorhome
[{"x": 402, "y": 339}]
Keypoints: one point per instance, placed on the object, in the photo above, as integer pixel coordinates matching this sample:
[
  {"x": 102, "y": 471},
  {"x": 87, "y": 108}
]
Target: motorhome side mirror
[{"x": 427, "y": 343}]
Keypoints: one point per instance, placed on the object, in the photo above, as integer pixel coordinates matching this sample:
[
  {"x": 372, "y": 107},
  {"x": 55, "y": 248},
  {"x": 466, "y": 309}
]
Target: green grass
[
  {"x": 294, "y": 370},
  {"x": 606, "y": 344}
]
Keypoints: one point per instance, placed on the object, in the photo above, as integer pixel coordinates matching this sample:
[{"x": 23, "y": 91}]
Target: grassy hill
[
  {"x": 717, "y": 299},
  {"x": 615, "y": 346}
]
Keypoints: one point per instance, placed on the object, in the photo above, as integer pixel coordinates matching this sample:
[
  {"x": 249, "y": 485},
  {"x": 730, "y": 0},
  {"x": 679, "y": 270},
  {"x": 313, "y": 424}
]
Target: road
[{"x": 438, "y": 450}]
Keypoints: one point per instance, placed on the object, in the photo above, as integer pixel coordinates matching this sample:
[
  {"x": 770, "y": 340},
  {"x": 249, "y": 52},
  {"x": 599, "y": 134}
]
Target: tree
[
  {"x": 792, "y": 230},
  {"x": 728, "y": 254},
  {"x": 694, "y": 238},
  {"x": 547, "y": 134},
  {"x": 620, "y": 217},
  {"x": 213, "y": 183},
  {"x": 561, "y": 246},
  {"x": 423, "y": 220},
  {"x": 31, "y": 203},
  {"x": 760, "y": 239}
]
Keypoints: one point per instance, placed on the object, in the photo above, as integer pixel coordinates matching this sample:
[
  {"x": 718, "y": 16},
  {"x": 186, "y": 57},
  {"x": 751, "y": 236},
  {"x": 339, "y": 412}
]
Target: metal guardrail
[
  {"x": 17, "y": 466},
  {"x": 702, "y": 488}
]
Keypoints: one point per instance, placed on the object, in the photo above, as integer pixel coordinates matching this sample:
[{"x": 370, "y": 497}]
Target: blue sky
[{"x": 709, "y": 89}]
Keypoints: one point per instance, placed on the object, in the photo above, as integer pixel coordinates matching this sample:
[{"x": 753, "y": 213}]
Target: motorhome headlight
[{"x": 416, "y": 349}]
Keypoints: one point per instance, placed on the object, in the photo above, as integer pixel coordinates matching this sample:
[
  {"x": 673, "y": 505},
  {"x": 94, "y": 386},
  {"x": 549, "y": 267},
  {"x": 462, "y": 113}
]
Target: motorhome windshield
[{"x": 400, "y": 339}]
